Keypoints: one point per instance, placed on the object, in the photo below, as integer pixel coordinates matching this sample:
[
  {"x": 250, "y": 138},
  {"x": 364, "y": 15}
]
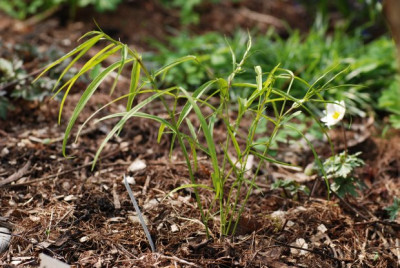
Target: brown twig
[
  {"x": 350, "y": 206},
  {"x": 314, "y": 251},
  {"x": 58, "y": 174},
  {"x": 14, "y": 82},
  {"x": 17, "y": 175},
  {"x": 263, "y": 18},
  {"x": 374, "y": 222}
]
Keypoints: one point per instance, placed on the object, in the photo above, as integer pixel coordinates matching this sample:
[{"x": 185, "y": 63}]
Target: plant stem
[{"x": 345, "y": 139}]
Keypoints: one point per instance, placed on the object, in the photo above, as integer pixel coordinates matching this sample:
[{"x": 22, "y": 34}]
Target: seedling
[
  {"x": 230, "y": 181},
  {"x": 393, "y": 210},
  {"x": 290, "y": 188}
]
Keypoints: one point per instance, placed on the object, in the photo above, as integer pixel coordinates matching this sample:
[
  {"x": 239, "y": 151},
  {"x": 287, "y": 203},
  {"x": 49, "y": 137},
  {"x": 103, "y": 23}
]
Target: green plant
[
  {"x": 390, "y": 101},
  {"x": 16, "y": 82},
  {"x": 212, "y": 52},
  {"x": 231, "y": 181},
  {"x": 290, "y": 188},
  {"x": 393, "y": 210},
  {"x": 340, "y": 168},
  {"x": 351, "y": 10},
  {"x": 188, "y": 13},
  {"x": 370, "y": 71},
  {"x": 21, "y": 9}
]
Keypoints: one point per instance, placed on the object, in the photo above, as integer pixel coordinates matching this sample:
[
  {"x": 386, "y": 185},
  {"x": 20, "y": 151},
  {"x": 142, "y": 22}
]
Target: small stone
[
  {"x": 4, "y": 152},
  {"x": 322, "y": 228},
  {"x": 70, "y": 198},
  {"x": 174, "y": 228},
  {"x": 137, "y": 165},
  {"x": 135, "y": 219},
  {"x": 84, "y": 239},
  {"x": 289, "y": 224},
  {"x": 279, "y": 214},
  {"x": 301, "y": 243}
]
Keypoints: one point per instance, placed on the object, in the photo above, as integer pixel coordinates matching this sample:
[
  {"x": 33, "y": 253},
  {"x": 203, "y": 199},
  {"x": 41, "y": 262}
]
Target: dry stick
[
  {"x": 317, "y": 252},
  {"x": 373, "y": 222},
  {"x": 350, "y": 206},
  {"x": 16, "y": 176},
  {"x": 345, "y": 151},
  {"x": 58, "y": 174},
  {"x": 178, "y": 260},
  {"x": 264, "y": 18},
  {"x": 14, "y": 82},
  {"x": 117, "y": 203},
  {"x": 313, "y": 188},
  {"x": 345, "y": 139}
]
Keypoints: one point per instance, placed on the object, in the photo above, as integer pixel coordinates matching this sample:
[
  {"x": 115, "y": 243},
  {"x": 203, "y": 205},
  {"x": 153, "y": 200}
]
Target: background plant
[
  {"x": 340, "y": 168},
  {"x": 16, "y": 80},
  {"x": 369, "y": 75},
  {"x": 290, "y": 188},
  {"x": 231, "y": 180},
  {"x": 21, "y": 9},
  {"x": 393, "y": 209}
]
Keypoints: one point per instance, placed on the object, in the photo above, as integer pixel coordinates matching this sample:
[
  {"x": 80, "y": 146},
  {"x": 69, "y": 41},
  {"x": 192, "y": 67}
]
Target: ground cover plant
[
  {"x": 83, "y": 215},
  {"x": 22, "y": 9},
  {"x": 370, "y": 80},
  {"x": 16, "y": 82}
]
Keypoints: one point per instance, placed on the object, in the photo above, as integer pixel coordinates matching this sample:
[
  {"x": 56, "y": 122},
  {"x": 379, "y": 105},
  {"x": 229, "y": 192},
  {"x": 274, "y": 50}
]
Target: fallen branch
[
  {"x": 317, "y": 252},
  {"x": 16, "y": 176},
  {"x": 263, "y": 18}
]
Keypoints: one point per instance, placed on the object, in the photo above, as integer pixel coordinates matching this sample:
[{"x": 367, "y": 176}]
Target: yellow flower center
[{"x": 336, "y": 115}]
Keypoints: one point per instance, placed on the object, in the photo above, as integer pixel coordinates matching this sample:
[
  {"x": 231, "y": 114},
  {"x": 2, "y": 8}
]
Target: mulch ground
[{"x": 62, "y": 208}]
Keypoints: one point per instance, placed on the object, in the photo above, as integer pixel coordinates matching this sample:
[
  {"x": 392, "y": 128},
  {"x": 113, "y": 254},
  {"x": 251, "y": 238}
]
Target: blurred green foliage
[
  {"x": 16, "y": 82},
  {"x": 357, "y": 11},
  {"x": 290, "y": 188},
  {"x": 21, "y": 9},
  {"x": 393, "y": 210},
  {"x": 370, "y": 67},
  {"x": 390, "y": 101},
  {"x": 188, "y": 13}
]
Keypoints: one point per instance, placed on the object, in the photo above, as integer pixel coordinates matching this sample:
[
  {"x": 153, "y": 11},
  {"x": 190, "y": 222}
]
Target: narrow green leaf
[
  {"x": 188, "y": 186},
  {"x": 84, "y": 99},
  {"x": 191, "y": 129},
  {"x": 83, "y": 52},
  {"x": 160, "y": 132},
  {"x": 270, "y": 160},
  {"x": 69, "y": 54},
  {"x": 124, "y": 55},
  {"x": 194, "y": 154},
  {"x": 176, "y": 62},
  {"x": 135, "y": 75},
  {"x": 235, "y": 143},
  {"x": 128, "y": 115},
  {"x": 210, "y": 142}
]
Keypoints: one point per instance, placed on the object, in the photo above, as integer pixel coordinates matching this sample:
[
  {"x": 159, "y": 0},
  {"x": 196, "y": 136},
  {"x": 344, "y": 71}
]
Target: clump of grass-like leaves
[{"x": 230, "y": 171}]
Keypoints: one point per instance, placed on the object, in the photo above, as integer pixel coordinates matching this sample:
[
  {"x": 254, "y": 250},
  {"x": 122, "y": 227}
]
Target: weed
[
  {"x": 393, "y": 210},
  {"x": 21, "y": 9},
  {"x": 16, "y": 82},
  {"x": 390, "y": 101},
  {"x": 340, "y": 168},
  {"x": 231, "y": 181},
  {"x": 369, "y": 73},
  {"x": 290, "y": 188}
]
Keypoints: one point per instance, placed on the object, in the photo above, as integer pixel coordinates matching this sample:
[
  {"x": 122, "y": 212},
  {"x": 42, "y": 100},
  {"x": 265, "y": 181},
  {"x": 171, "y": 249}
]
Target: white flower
[{"x": 334, "y": 113}]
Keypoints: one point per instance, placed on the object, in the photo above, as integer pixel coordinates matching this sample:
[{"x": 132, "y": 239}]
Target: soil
[{"x": 61, "y": 207}]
